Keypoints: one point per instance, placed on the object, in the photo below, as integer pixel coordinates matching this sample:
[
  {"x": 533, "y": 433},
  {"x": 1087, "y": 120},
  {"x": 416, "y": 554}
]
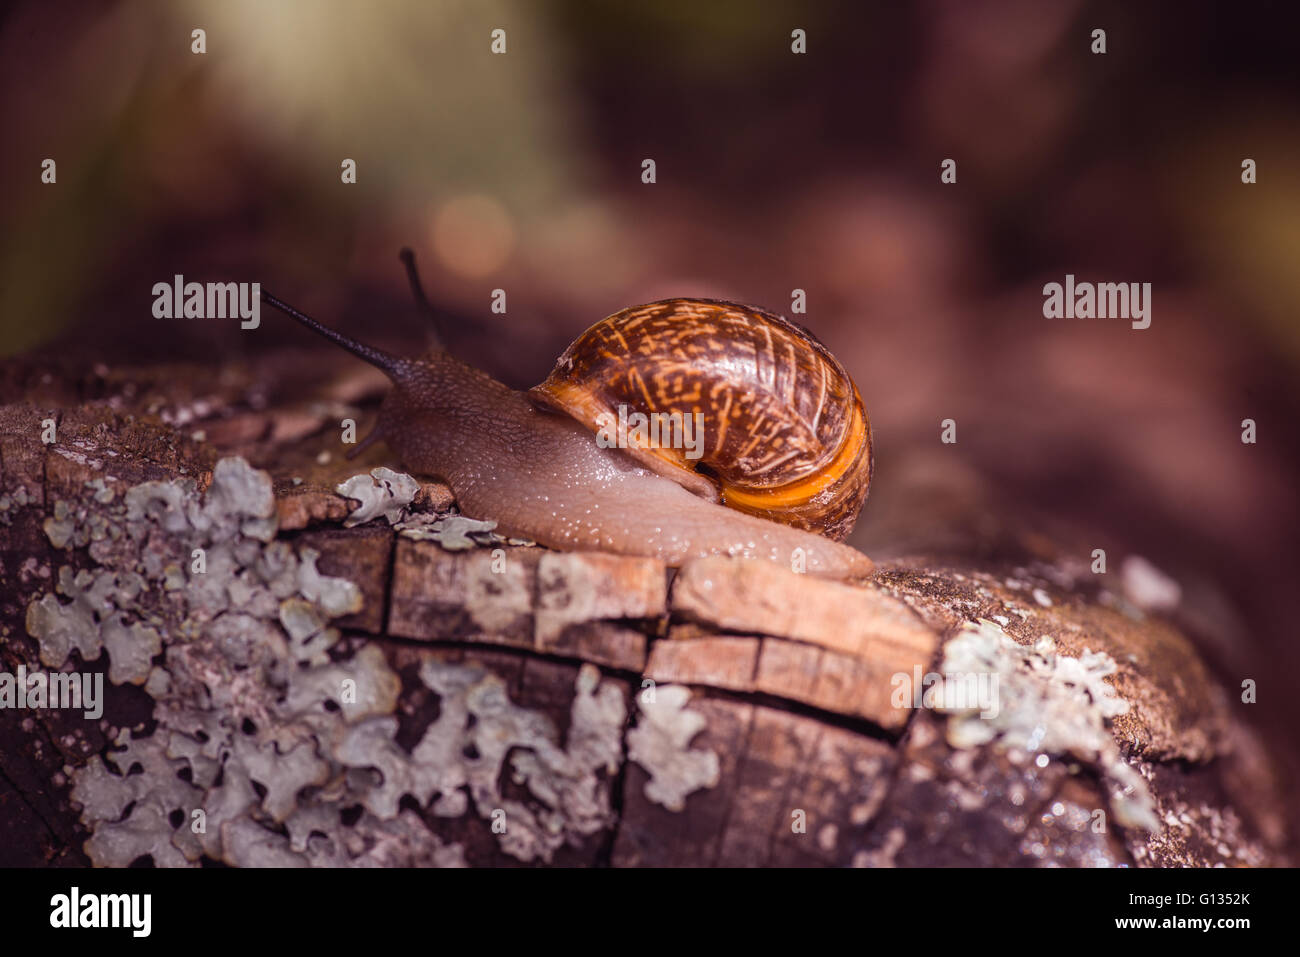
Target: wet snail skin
[{"x": 780, "y": 471}]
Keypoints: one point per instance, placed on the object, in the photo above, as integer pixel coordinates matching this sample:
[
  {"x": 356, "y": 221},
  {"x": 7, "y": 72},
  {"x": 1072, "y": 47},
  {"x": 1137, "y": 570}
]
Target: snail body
[{"x": 543, "y": 476}]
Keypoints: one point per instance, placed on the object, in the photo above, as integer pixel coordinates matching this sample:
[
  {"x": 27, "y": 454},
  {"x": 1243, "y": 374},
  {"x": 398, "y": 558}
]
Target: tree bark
[{"x": 723, "y": 714}]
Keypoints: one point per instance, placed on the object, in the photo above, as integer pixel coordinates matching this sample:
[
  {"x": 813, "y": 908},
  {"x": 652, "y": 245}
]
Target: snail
[{"x": 778, "y": 468}]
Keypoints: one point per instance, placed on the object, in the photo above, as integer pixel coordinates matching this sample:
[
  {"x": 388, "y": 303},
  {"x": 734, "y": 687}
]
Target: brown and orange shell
[{"x": 785, "y": 434}]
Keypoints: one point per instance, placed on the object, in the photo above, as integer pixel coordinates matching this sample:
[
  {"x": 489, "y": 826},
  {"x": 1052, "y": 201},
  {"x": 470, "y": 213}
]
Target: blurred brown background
[{"x": 775, "y": 171}]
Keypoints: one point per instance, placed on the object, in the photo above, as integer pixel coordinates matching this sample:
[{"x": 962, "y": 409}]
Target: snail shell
[{"x": 785, "y": 434}]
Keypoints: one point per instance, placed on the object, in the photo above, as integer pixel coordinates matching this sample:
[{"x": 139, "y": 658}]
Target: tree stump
[{"x": 282, "y": 685}]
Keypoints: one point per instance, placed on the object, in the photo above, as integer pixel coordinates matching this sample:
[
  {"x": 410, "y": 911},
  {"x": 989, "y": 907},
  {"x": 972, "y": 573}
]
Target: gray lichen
[
  {"x": 1048, "y": 703},
  {"x": 382, "y": 492},
  {"x": 660, "y": 743},
  {"x": 199, "y": 581},
  {"x": 455, "y": 533},
  {"x": 11, "y": 502},
  {"x": 569, "y": 785},
  {"x": 390, "y": 495},
  {"x": 263, "y": 740}
]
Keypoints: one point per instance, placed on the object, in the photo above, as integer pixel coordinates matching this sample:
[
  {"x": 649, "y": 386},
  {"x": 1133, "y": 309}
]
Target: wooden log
[{"x": 578, "y": 709}]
